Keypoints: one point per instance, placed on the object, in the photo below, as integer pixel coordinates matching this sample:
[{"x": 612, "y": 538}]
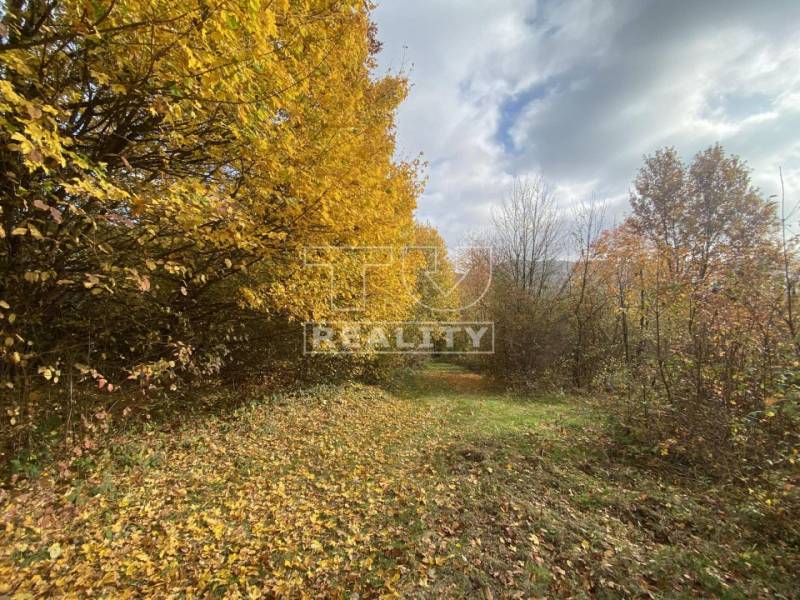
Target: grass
[
  {"x": 446, "y": 487},
  {"x": 472, "y": 404},
  {"x": 542, "y": 508}
]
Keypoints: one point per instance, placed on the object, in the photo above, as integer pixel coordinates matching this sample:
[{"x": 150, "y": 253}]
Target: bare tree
[
  {"x": 526, "y": 235},
  {"x": 525, "y": 297},
  {"x": 789, "y": 278},
  {"x": 588, "y": 218}
]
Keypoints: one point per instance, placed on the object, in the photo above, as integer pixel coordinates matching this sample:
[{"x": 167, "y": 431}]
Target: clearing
[{"x": 441, "y": 488}]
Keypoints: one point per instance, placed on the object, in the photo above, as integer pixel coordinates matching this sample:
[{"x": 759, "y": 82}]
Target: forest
[{"x": 191, "y": 192}]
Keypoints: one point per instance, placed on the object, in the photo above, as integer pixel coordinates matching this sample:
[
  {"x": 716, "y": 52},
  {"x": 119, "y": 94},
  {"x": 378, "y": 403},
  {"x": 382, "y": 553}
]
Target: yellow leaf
[
  {"x": 54, "y": 551},
  {"x": 35, "y": 232}
]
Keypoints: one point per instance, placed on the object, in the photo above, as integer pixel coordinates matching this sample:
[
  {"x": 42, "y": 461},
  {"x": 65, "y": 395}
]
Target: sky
[{"x": 578, "y": 91}]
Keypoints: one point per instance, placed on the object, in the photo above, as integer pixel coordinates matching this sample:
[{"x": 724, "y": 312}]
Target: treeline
[
  {"x": 165, "y": 165},
  {"x": 685, "y": 314}
]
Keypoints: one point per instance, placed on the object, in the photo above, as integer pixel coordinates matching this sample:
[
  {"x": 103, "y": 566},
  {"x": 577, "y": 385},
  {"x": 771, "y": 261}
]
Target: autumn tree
[
  {"x": 436, "y": 288},
  {"x": 701, "y": 307},
  {"x": 165, "y": 164}
]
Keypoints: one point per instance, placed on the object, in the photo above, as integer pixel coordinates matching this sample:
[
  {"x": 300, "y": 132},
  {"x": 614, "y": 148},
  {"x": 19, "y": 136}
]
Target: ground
[{"x": 442, "y": 487}]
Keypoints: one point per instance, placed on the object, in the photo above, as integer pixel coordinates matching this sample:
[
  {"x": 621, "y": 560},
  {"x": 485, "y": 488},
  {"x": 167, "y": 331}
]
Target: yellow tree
[{"x": 165, "y": 164}]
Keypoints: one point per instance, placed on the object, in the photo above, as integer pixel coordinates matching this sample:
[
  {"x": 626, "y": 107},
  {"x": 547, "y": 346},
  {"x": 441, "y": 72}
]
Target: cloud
[{"x": 578, "y": 91}]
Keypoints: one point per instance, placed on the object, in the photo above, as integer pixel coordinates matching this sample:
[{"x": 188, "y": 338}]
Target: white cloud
[{"x": 580, "y": 90}]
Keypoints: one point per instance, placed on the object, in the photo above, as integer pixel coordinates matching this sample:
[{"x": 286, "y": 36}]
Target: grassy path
[{"x": 443, "y": 488}]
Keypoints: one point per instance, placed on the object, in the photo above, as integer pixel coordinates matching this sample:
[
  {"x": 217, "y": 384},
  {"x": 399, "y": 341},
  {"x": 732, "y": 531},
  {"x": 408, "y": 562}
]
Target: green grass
[{"x": 541, "y": 508}]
